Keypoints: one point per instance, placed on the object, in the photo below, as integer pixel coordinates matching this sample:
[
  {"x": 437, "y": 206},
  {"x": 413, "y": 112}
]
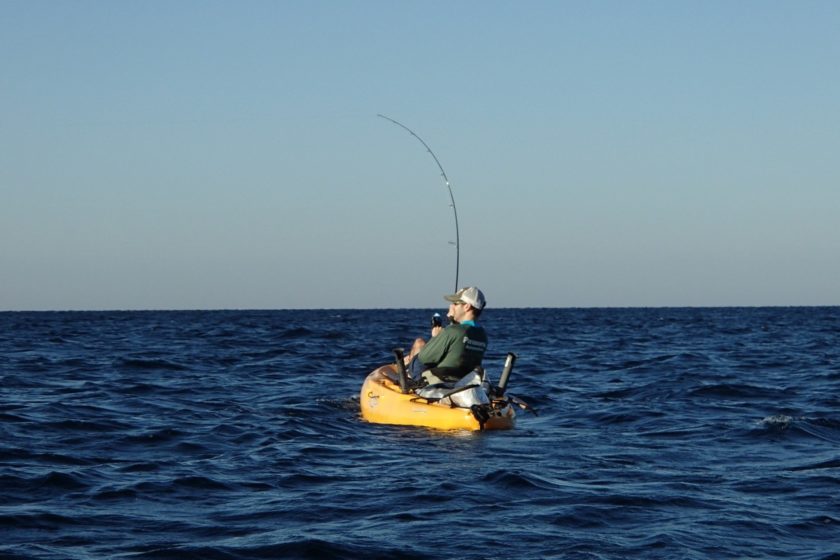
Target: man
[{"x": 456, "y": 350}]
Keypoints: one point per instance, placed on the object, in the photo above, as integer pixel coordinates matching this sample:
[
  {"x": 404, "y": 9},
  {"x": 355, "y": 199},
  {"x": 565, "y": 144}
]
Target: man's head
[{"x": 466, "y": 304}]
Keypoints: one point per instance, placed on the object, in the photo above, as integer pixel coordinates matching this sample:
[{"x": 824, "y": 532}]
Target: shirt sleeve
[{"x": 437, "y": 347}]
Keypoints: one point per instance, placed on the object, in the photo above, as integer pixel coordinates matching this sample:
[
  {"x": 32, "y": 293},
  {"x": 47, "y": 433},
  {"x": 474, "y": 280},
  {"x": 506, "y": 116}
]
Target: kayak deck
[{"x": 382, "y": 402}]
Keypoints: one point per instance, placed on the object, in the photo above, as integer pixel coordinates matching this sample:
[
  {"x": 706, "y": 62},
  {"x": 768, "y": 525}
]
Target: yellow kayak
[{"x": 383, "y": 402}]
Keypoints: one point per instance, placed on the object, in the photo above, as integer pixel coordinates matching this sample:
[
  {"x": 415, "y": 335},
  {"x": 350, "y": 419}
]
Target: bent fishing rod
[{"x": 457, "y": 242}]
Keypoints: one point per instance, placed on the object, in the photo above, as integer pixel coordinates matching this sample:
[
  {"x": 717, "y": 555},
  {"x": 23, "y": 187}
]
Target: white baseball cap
[{"x": 471, "y": 295}]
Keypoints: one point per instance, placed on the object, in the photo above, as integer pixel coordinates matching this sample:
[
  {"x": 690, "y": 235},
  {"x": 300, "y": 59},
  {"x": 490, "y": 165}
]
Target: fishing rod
[{"x": 448, "y": 187}]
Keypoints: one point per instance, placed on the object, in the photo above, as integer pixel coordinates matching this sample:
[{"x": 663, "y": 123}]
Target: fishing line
[{"x": 457, "y": 242}]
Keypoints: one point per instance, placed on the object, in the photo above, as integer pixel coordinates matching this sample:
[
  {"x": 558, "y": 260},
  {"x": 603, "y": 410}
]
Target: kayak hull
[{"x": 382, "y": 402}]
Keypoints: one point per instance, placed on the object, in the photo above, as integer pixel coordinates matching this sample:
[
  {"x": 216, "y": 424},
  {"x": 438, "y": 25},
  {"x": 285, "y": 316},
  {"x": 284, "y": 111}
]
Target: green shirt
[{"x": 455, "y": 351}]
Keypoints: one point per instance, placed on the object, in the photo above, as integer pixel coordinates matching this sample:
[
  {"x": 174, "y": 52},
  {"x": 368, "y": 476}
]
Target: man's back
[{"x": 456, "y": 351}]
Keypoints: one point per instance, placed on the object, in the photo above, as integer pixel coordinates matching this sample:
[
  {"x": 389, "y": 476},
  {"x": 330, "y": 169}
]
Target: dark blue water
[{"x": 662, "y": 433}]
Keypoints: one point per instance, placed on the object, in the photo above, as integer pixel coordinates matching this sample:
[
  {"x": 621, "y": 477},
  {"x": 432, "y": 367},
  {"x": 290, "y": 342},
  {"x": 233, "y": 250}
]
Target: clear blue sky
[{"x": 227, "y": 154}]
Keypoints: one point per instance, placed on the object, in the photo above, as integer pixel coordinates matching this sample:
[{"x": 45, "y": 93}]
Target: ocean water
[{"x": 661, "y": 433}]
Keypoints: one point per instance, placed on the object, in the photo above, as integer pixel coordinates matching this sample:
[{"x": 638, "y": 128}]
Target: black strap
[
  {"x": 445, "y": 395},
  {"x": 451, "y": 374}
]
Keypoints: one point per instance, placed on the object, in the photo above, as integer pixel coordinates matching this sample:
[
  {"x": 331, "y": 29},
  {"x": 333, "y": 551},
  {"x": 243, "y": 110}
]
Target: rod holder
[
  {"x": 403, "y": 376},
  {"x": 510, "y": 360}
]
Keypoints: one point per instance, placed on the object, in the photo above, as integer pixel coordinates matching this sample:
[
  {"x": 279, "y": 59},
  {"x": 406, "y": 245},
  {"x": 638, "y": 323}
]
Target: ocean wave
[
  {"x": 143, "y": 364},
  {"x": 308, "y": 549},
  {"x": 741, "y": 391}
]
